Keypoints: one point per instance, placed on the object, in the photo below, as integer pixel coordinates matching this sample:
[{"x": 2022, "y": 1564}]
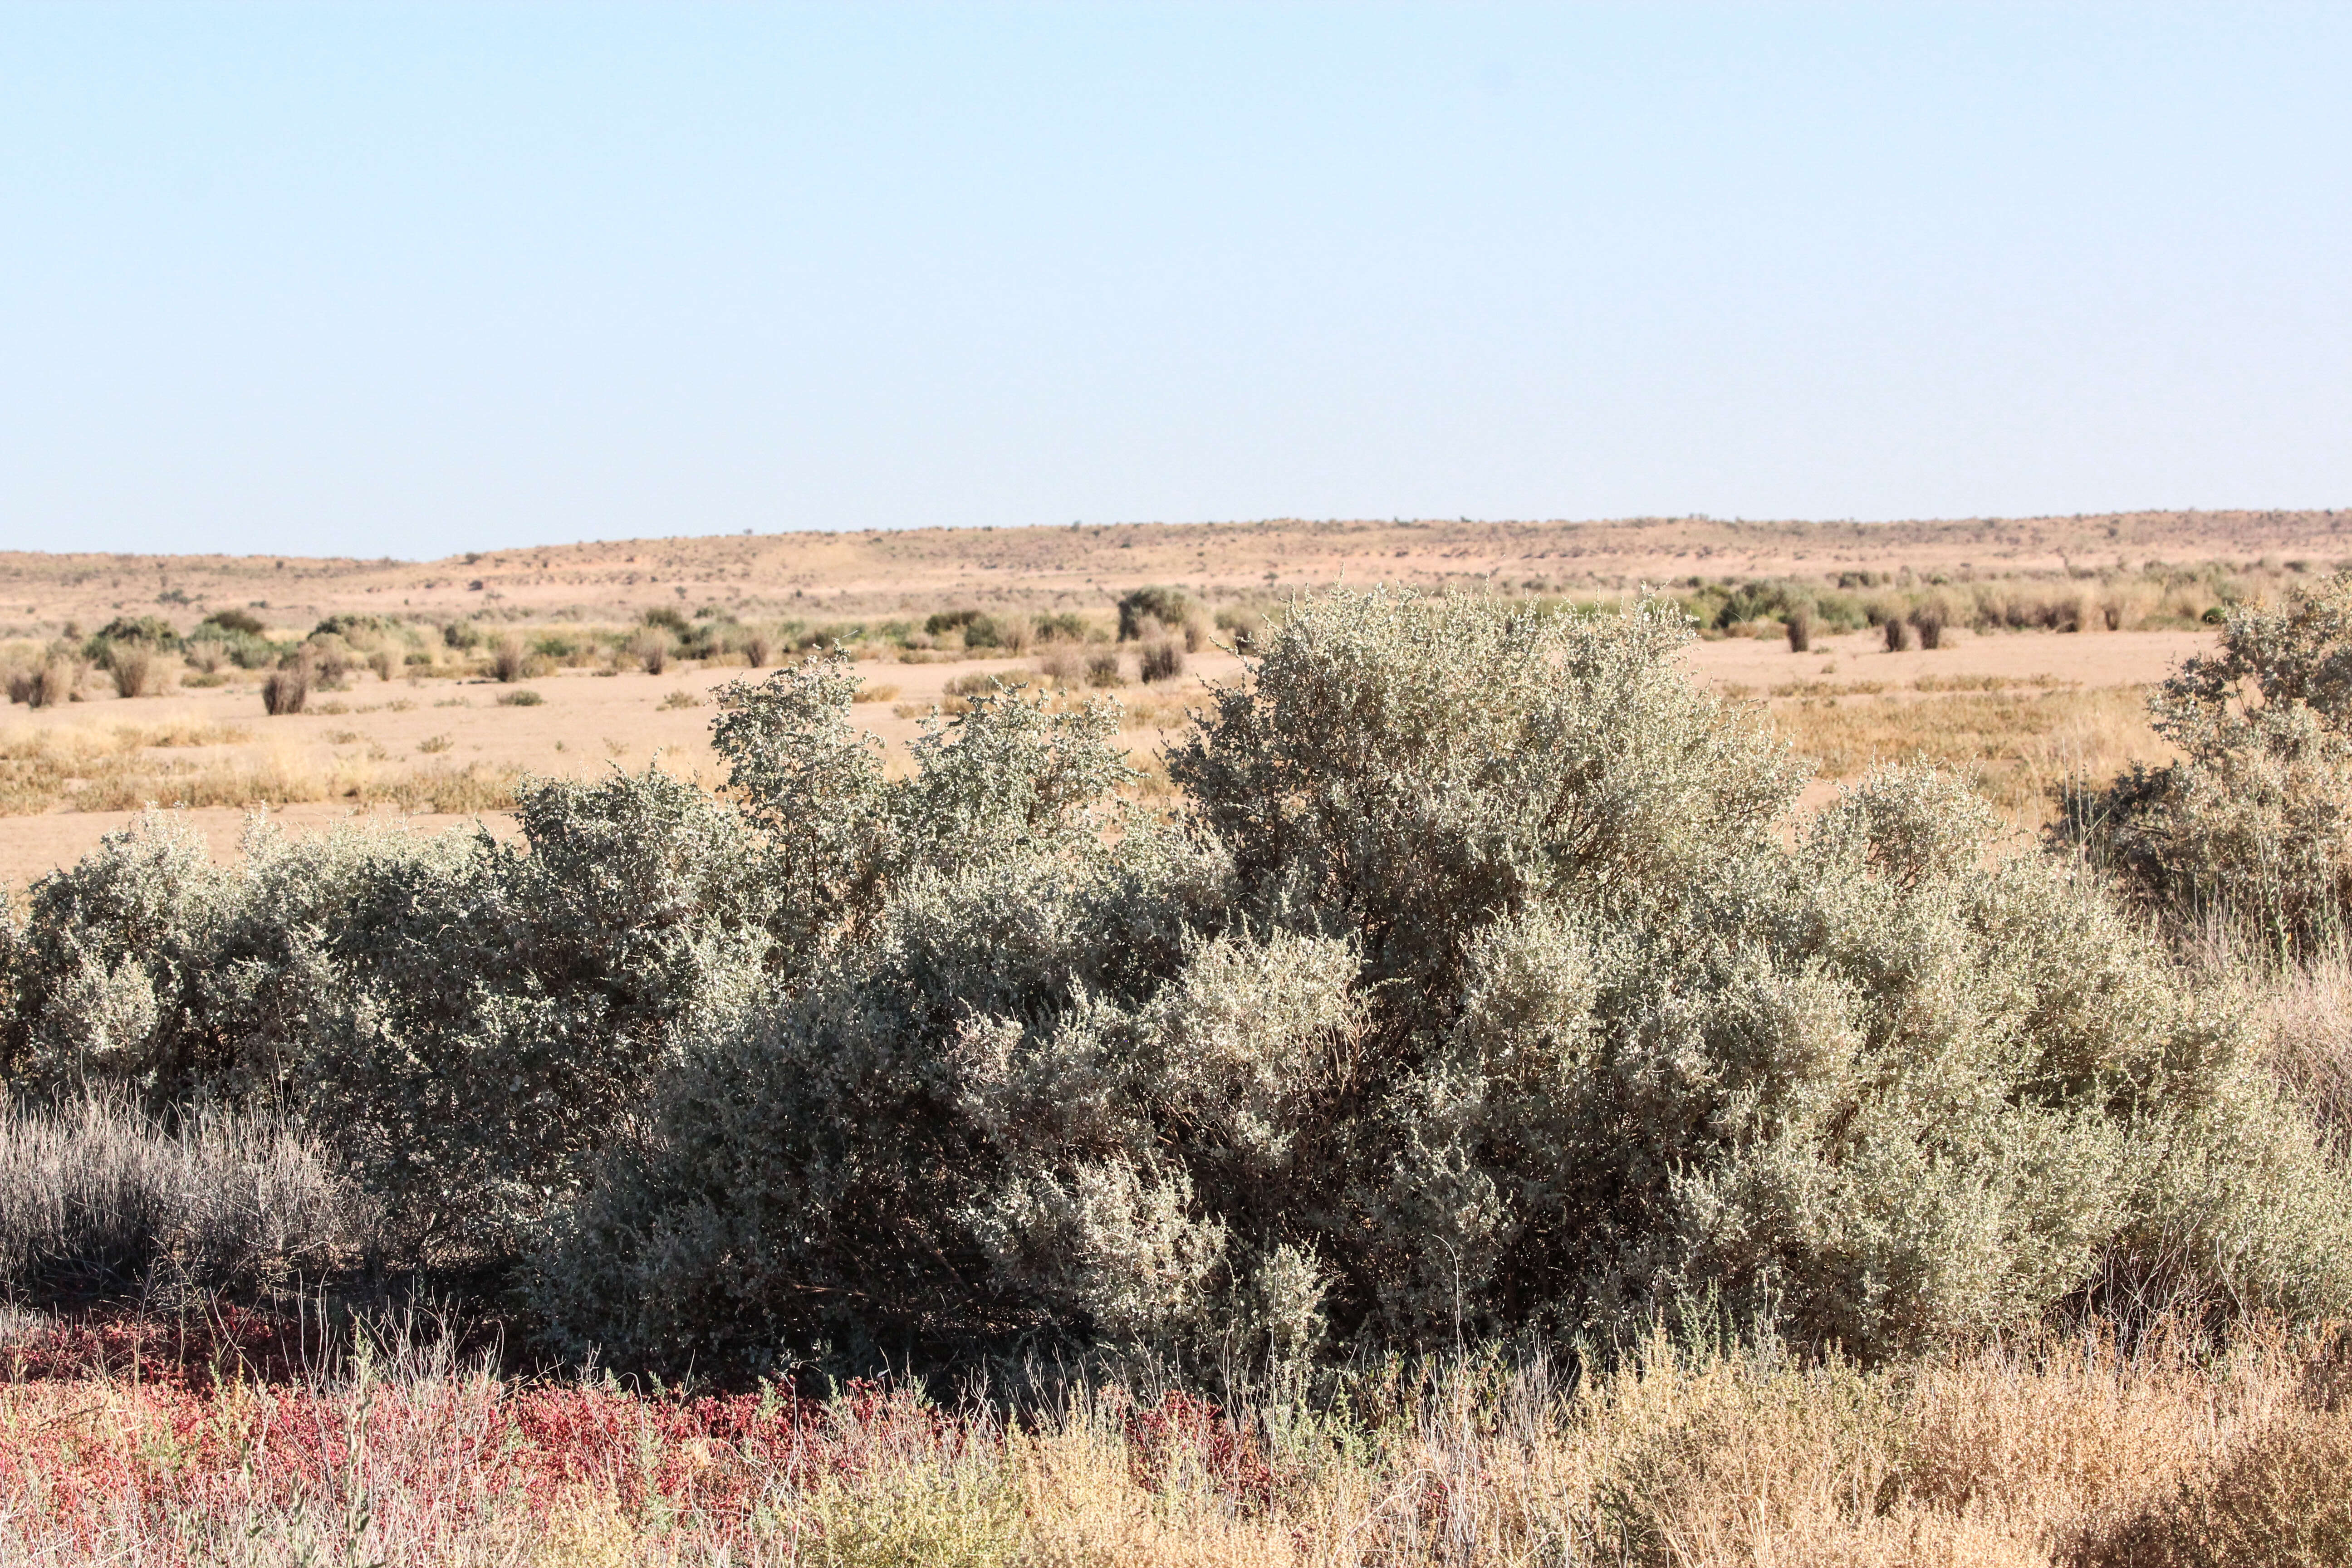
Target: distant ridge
[{"x": 873, "y": 570}]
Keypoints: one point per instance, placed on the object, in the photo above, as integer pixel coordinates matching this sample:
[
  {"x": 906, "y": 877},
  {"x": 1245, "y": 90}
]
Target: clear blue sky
[{"x": 406, "y": 280}]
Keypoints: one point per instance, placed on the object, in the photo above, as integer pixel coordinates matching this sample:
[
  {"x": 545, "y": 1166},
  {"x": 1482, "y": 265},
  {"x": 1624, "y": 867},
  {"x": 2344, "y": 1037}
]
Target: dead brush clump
[
  {"x": 650, "y": 649},
  {"x": 48, "y": 684},
  {"x": 136, "y": 669},
  {"x": 287, "y": 690},
  {"x": 1163, "y": 660},
  {"x": 93, "y": 1193}
]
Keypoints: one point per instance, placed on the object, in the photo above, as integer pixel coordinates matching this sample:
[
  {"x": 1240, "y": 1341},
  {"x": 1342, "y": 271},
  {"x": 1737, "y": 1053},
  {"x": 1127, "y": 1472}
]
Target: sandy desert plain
[{"x": 439, "y": 741}]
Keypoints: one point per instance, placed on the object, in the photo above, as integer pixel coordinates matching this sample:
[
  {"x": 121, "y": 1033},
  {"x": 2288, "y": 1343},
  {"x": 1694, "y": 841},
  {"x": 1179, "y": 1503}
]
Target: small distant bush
[
  {"x": 1147, "y": 611},
  {"x": 330, "y": 660},
  {"x": 1243, "y": 624},
  {"x": 1062, "y": 625},
  {"x": 135, "y": 668},
  {"x": 523, "y": 699},
  {"x": 355, "y": 627},
  {"x": 287, "y": 688},
  {"x": 666, "y": 617},
  {"x": 1104, "y": 667},
  {"x": 231, "y": 624},
  {"x": 1800, "y": 624},
  {"x": 1163, "y": 660},
  {"x": 943, "y": 621},
  {"x": 152, "y": 632},
  {"x": 463, "y": 636},
  {"x": 758, "y": 649},
  {"x": 46, "y": 684},
  {"x": 1901, "y": 636},
  {"x": 506, "y": 657},
  {"x": 651, "y": 649},
  {"x": 679, "y": 698},
  {"x": 383, "y": 662}
]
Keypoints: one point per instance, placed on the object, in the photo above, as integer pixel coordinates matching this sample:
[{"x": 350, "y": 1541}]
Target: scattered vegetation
[{"x": 1464, "y": 1062}]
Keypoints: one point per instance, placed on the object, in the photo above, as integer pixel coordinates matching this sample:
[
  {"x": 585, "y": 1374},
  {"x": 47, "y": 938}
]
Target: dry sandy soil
[
  {"x": 587, "y": 723},
  {"x": 2020, "y": 708}
]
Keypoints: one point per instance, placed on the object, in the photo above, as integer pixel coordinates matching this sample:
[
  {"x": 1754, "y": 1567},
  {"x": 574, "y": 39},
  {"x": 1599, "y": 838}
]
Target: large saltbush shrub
[{"x": 1482, "y": 982}]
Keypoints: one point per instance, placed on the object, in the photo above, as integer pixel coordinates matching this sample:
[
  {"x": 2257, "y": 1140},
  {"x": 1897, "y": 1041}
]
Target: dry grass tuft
[
  {"x": 95, "y": 1194},
  {"x": 2303, "y": 1017},
  {"x": 286, "y": 690},
  {"x": 136, "y": 671}
]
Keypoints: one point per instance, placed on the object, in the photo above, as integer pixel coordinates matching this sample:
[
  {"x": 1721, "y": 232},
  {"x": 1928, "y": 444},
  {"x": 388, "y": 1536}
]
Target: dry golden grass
[
  {"x": 2016, "y": 746},
  {"x": 118, "y": 769},
  {"x": 2060, "y": 1450}
]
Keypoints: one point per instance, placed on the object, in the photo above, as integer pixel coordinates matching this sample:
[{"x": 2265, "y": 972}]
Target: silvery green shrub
[
  {"x": 1483, "y": 982},
  {"x": 463, "y": 1018},
  {"x": 2251, "y": 828}
]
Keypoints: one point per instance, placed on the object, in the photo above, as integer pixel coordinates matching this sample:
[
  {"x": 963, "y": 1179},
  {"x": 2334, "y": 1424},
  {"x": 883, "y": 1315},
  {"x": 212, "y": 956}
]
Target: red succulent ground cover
[{"x": 181, "y": 1434}]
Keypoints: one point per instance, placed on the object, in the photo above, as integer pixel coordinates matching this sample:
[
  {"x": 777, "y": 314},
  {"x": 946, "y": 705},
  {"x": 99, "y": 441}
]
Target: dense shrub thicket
[
  {"x": 1481, "y": 980},
  {"x": 2252, "y": 828}
]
